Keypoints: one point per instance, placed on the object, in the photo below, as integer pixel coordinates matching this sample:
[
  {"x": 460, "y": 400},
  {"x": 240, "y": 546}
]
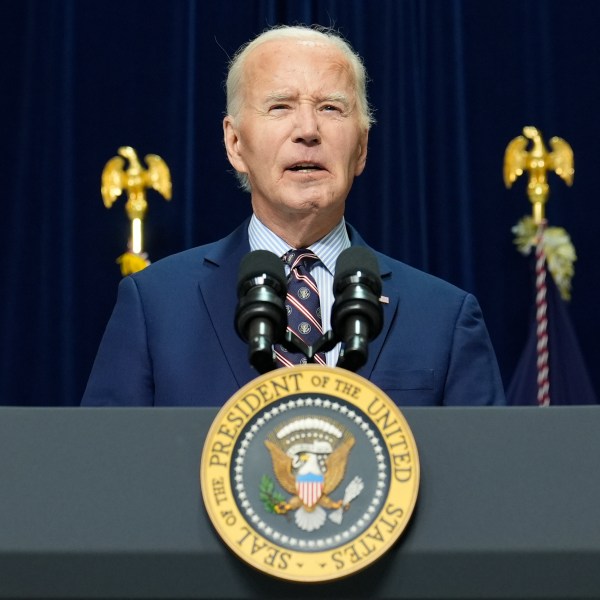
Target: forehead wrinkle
[{"x": 332, "y": 97}]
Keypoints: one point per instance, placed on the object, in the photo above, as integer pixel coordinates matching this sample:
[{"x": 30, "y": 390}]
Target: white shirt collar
[{"x": 328, "y": 248}]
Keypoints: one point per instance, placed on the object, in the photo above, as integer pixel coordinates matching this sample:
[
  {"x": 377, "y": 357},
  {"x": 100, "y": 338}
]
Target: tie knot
[{"x": 300, "y": 257}]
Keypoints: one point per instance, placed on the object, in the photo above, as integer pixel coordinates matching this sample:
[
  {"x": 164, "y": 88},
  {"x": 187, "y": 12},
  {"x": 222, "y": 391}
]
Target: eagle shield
[{"x": 310, "y": 488}]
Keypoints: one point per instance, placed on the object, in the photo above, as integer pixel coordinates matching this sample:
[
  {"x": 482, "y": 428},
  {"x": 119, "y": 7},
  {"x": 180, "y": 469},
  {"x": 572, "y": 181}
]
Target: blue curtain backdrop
[{"x": 452, "y": 81}]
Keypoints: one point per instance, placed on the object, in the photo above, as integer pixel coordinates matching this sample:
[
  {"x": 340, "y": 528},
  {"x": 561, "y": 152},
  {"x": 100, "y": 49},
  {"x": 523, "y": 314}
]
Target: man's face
[{"x": 298, "y": 135}]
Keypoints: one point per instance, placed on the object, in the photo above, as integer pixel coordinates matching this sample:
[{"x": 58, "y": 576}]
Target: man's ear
[
  {"x": 232, "y": 145},
  {"x": 362, "y": 154}
]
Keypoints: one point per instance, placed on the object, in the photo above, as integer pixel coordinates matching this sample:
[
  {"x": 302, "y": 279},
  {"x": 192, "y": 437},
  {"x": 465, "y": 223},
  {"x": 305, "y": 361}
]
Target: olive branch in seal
[{"x": 269, "y": 496}]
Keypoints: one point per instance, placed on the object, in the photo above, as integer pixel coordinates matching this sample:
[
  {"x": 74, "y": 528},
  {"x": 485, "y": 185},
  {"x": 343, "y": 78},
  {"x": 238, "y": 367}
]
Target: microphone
[
  {"x": 260, "y": 316},
  {"x": 356, "y": 315}
]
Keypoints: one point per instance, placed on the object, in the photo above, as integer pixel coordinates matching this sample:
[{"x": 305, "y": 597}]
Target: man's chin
[
  {"x": 307, "y": 204},
  {"x": 308, "y": 195}
]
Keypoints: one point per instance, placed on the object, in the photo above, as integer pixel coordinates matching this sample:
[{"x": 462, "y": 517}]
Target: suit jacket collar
[
  {"x": 219, "y": 293},
  {"x": 389, "y": 300}
]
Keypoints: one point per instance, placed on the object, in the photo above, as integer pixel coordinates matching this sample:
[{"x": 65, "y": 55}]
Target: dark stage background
[{"x": 452, "y": 82}]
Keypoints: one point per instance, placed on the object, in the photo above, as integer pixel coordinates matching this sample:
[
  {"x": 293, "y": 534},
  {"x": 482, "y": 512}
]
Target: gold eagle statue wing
[
  {"x": 158, "y": 176},
  {"x": 562, "y": 159},
  {"x": 282, "y": 467},
  {"x": 336, "y": 466},
  {"x": 515, "y": 160},
  {"x": 113, "y": 180}
]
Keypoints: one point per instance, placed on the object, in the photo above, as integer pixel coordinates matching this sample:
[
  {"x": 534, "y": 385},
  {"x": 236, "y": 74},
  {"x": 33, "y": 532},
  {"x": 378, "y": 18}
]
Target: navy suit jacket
[{"x": 171, "y": 339}]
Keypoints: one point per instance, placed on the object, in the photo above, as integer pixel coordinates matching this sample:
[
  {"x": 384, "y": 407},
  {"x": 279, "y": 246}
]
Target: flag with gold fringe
[{"x": 551, "y": 370}]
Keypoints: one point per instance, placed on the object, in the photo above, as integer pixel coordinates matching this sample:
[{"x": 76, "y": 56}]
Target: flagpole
[
  {"x": 537, "y": 162},
  {"x": 541, "y": 316}
]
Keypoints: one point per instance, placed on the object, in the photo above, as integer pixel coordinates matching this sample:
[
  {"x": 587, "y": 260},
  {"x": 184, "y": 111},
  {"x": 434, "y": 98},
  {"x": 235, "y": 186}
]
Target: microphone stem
[{"x": 260, "y": 349}]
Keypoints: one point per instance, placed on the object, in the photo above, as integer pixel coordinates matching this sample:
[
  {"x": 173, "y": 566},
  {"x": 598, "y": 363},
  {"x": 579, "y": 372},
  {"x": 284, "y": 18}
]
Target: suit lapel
[
  {"x": 219, "y": 293},
  {"x": 390, "y": 309},
  {"x": 390, "y": 298}
]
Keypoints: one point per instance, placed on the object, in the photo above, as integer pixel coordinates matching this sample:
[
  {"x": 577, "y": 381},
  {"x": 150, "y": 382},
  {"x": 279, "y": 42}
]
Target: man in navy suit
[{"x": 296, "y": 133}]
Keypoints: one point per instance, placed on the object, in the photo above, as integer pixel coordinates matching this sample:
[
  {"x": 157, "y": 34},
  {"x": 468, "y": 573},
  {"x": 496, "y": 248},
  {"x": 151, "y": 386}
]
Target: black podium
[{"x": 106, "y": 503}]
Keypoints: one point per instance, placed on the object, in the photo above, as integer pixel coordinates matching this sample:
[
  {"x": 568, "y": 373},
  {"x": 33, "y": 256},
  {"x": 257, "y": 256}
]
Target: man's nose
[{"x": 307, "y": 126}]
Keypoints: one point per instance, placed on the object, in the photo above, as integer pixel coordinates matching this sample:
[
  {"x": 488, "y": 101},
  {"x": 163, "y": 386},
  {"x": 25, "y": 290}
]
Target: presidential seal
[{"x": 309, "y": 473}]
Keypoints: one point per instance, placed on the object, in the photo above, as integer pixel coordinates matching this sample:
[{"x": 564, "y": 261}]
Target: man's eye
[
  {"x": 331, "y": 108},
  {"x": 279, "y": 107}
]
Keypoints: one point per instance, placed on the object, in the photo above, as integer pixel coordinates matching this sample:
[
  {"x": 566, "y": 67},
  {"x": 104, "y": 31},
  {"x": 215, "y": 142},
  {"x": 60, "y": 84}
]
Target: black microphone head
[
  {"x": 262, "y": 267},
  {"x": 260, "y": 315},
  {"x": 356, "y": 314},
  {"x": 357, "y": 264}
]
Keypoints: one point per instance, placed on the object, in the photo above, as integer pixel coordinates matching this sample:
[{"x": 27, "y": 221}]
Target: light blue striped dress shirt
[{"x": 327, "y": 249}]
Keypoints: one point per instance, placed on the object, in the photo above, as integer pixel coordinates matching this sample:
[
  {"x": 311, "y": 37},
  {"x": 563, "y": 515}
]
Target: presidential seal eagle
[{"x": 309, "y": 457}]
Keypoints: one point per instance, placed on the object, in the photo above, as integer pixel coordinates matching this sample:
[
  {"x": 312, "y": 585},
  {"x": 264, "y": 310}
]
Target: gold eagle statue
[
  {"x": 537, "y": 161},
  {"x": 134, "y": 180}
]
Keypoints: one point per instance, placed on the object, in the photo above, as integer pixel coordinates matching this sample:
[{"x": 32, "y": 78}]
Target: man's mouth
[{"x": 305, "y": 167}]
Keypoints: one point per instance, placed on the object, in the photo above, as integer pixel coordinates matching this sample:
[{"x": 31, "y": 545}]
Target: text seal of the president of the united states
[{"x": 309, "y": 473}]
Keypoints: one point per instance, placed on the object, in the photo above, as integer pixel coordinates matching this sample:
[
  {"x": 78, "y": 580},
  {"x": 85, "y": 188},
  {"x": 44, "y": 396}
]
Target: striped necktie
[{"x": 303, "y": 306}]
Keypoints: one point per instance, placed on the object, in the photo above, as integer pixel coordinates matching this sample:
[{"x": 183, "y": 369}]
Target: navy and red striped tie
[{"x": 303, "y": 306}]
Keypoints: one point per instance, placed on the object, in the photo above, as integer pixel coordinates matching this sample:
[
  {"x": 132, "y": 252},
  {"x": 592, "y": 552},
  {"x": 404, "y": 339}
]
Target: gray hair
[{"x": 235, "y": 72}]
